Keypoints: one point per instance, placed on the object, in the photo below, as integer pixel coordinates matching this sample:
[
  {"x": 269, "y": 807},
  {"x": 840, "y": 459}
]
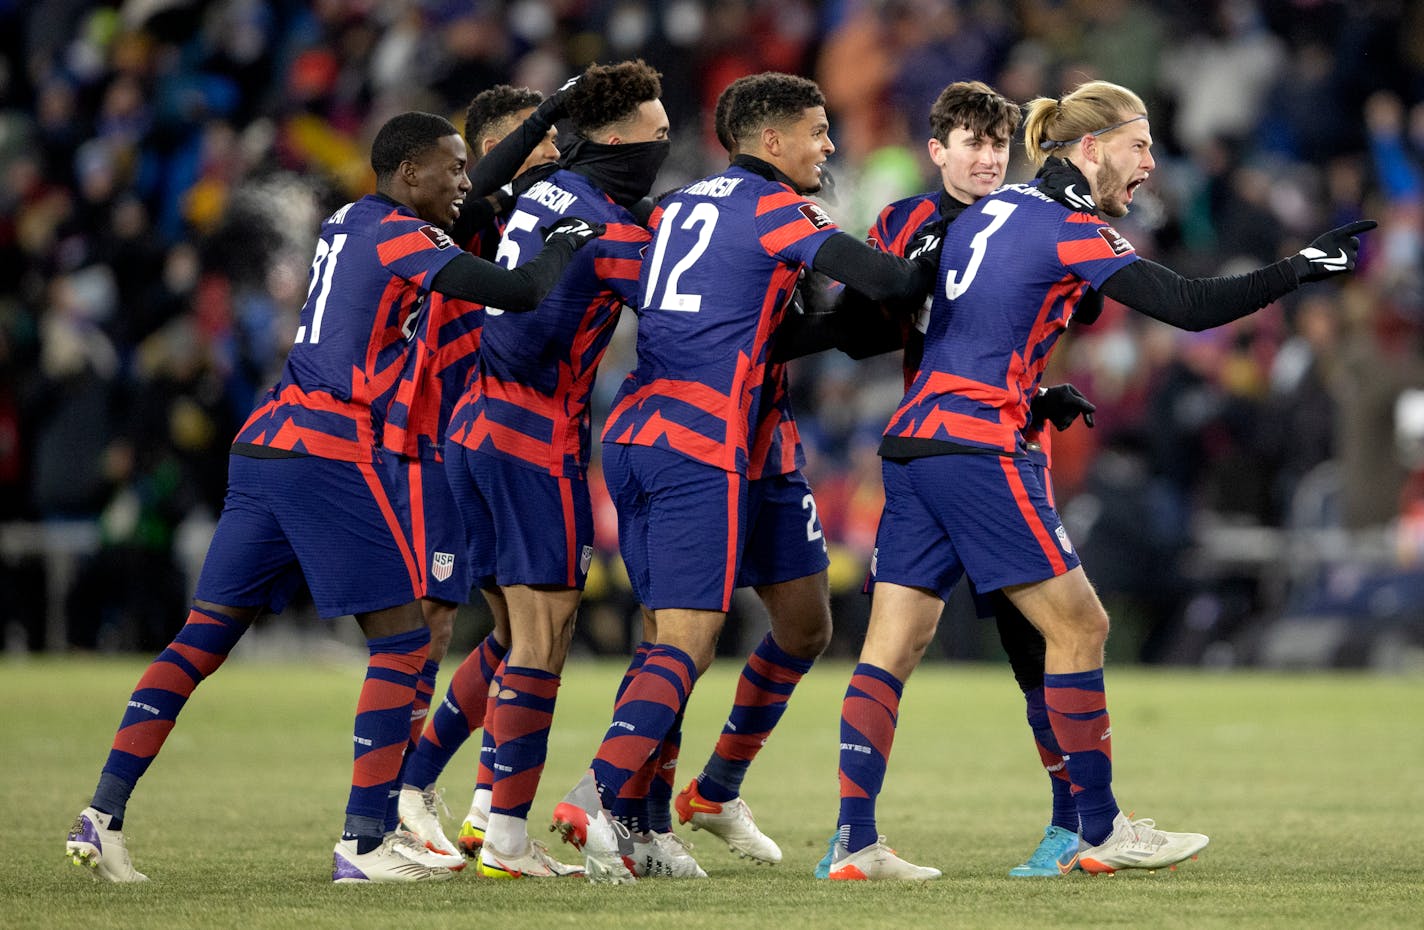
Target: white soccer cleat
[
  {"x": 420, "y": 815},
  {"x": 534, "y": 862},
  {"x": 731, "y": 821},
  {"x": 93, "y": 845},
  {"x": 410, "y": 846},
  {"x": 1138, "y": 844},
  {"x": 606, "y": 845},
  {"x": 877, "y": 863},
  {"x": 664, "y": 855},
  {"x": 389, "y": 862}
]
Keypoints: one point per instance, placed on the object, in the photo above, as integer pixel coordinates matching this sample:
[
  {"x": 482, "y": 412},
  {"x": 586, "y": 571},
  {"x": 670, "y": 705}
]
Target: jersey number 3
[{"x": 999, "y": 211}]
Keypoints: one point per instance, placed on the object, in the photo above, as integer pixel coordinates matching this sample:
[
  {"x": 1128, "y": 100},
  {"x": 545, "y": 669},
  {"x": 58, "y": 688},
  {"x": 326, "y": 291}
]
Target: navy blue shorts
[
  {"x": 988, "y": 515},
  {"x": 342, "y": 525},
  {"x": 437, "y": 532},
  {"x": 524, "y": 525},
  {"x": 681, "y": 526},
  {"x": 784, "y": 540}
]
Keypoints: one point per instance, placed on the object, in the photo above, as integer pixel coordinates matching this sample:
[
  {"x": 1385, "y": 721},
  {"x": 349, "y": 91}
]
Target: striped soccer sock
[
  {"x": 1065, "y": 809},
  {"x": 460, "y": 714},
  {"x": 631, "y": 806},
  {"x": 868, "y": 716},
  {"x": 489, "y": 743},
  {"x": 664, "y": 784},
  {"x": 1078, "y": 710},
  {"x": 642, "y": 717},
  {"x": 381, "y": 730},
  {"x": 165, "y": 686},
  {"x": 524, "y": 713},
  {"x": 765, "y": 686}
]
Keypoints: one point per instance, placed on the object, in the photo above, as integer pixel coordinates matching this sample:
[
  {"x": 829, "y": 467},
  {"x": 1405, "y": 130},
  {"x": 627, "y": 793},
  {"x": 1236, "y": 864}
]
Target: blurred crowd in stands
[{"x": 164, "y": 165}]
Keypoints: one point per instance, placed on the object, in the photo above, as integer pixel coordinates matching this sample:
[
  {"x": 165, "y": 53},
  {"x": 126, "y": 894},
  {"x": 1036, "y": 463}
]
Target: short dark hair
[
  {"x": 719, "y": 117},
  {"x": 493, "y": 106},
  {"x": 768, "y": 99},
  {"x": 405, "y": 137},
  {"x": 609, "y": 94},
  {"x": 977, "y": 107}
]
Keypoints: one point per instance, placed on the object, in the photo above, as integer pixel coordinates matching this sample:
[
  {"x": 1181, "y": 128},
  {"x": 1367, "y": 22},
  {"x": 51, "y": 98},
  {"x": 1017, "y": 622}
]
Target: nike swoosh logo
[
  {"x": 700, "y": 805},
  {"x": 1337, "y": 262},
  {"x": 1065, "y": 869}
]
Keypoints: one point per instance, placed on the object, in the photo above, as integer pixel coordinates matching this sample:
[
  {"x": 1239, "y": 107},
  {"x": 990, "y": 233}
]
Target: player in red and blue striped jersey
[
  {"x": 518, "y": 444},
  {"x": 962, "y": 495},
  {"x": 306, "y": 494},
  {"x": 683, "y": 448},
  {"x": 510, "y": 136},
  {"x": 971, "y": 128}
]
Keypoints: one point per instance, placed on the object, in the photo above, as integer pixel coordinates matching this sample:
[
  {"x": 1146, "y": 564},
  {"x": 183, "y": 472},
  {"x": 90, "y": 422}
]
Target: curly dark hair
[
  {"x": 719, "y": 118},
  {"x": 492, "y": 107},
  {"x": 768, "y": 99},
  {"x": 609, "y": 94},
  {"x": 405, "y": 137},
  {"x": 977, "y": 107}
]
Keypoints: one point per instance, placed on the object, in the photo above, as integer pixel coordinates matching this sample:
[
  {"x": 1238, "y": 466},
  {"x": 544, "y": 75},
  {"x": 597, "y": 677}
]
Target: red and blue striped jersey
[
  {"x": 726, "y": 255},
  {"x": 447, "y": 343},
  {"x": 1013, "y": 268},
  {"x": 528, "y": 399},
  {"x": 369, "y": 281},
  {"x": 897, "y": 224}
]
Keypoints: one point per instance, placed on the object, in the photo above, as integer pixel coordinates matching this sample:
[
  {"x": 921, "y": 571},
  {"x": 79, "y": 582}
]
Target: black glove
[
  {"x": 1060, "y": 405},
  {"x": 1330, "y": 254},
  {"x": 1061, "y": 180},
  {"x": 927, "y": 241},
  {"x": 555, "y": 106},
  {"x": 577, "y": 232}
]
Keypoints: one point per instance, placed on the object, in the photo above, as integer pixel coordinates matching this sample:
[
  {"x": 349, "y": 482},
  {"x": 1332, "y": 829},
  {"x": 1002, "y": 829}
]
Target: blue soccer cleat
[{"x": 1057, "y": 854}]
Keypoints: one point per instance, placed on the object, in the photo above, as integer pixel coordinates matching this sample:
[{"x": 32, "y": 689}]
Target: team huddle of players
[{"x": 431, "y": 435}]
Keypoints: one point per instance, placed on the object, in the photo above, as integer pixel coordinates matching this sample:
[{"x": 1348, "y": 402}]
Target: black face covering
[{"x": 624, "y": 172}]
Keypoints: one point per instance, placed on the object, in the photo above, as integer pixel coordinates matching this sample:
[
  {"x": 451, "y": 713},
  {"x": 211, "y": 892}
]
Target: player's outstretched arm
[
  {"x": 876, "y": 274},
  {"x": 1202, "y": 303},
  {"x": 517, "y": 290},
  {"x": 499, "y": 166}
]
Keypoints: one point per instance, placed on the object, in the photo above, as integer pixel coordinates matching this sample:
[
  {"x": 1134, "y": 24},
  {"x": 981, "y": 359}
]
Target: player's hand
[
  {"x": 1065, "y": 184},
  {"x": 1332, "y": 253},
  {"x": 927, "y": 242},
  {"x": 577, "y": 232},
  {"x": 1061, "y": 405},
  {"x": 555, "y": 106}
]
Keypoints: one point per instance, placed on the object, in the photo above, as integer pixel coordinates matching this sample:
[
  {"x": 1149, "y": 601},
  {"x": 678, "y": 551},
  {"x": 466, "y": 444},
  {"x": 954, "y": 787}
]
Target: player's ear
[
  {"x": 936, "y": 149},
  {"x": 771, "y": 140},
  {"x": 409, "y": 173}
]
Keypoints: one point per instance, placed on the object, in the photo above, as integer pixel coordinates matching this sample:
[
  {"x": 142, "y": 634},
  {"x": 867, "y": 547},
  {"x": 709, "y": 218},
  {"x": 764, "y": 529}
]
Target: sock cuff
[
  {"x": 769, "y": 650},
  {"x": 215, "y": 615},
  {"x": 411, "y": 641},
  {"x": 880, "y": 675},
  {"x": 493, "y": 648},
  {"x": 1091, "y": 680}
]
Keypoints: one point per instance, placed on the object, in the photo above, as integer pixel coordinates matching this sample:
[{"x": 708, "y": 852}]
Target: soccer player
[
  {"x": 701, "y": 453},
  {"x": 962, "y": 495},
  {"x": 306, "y": 493},
  {"x": 971, "y": 128},
  {"x": 518, "y": 445},
  {"x": 446, "y": 346}
]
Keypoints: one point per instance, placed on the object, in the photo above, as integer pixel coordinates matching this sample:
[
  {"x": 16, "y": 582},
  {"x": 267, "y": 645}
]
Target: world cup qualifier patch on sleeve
[
  {"x": 818, "y": 218},
  {"x": 438, "y": 236},
  {"x": 1116, "y": 240}
]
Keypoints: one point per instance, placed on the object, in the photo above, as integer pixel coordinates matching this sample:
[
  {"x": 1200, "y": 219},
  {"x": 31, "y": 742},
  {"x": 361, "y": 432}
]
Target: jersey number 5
[
  {"x": 508, "y": 252},
  {"x": 702, "y": 217}
]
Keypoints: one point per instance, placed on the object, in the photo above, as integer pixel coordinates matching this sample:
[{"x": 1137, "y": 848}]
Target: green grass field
[{"x": 1309, "y": 785}]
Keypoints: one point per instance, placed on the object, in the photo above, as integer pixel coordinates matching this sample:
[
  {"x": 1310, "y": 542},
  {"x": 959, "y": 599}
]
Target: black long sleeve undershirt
[
  {"x": 1196, "y": 304},
  {"x": 876, "y": 274},
  {"x": 858, "y": 324},
  {"x": 516, "y": 290}
]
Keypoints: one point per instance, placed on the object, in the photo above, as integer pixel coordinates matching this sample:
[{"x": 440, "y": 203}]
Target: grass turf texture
[{"x": 1309, "y": 786}]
